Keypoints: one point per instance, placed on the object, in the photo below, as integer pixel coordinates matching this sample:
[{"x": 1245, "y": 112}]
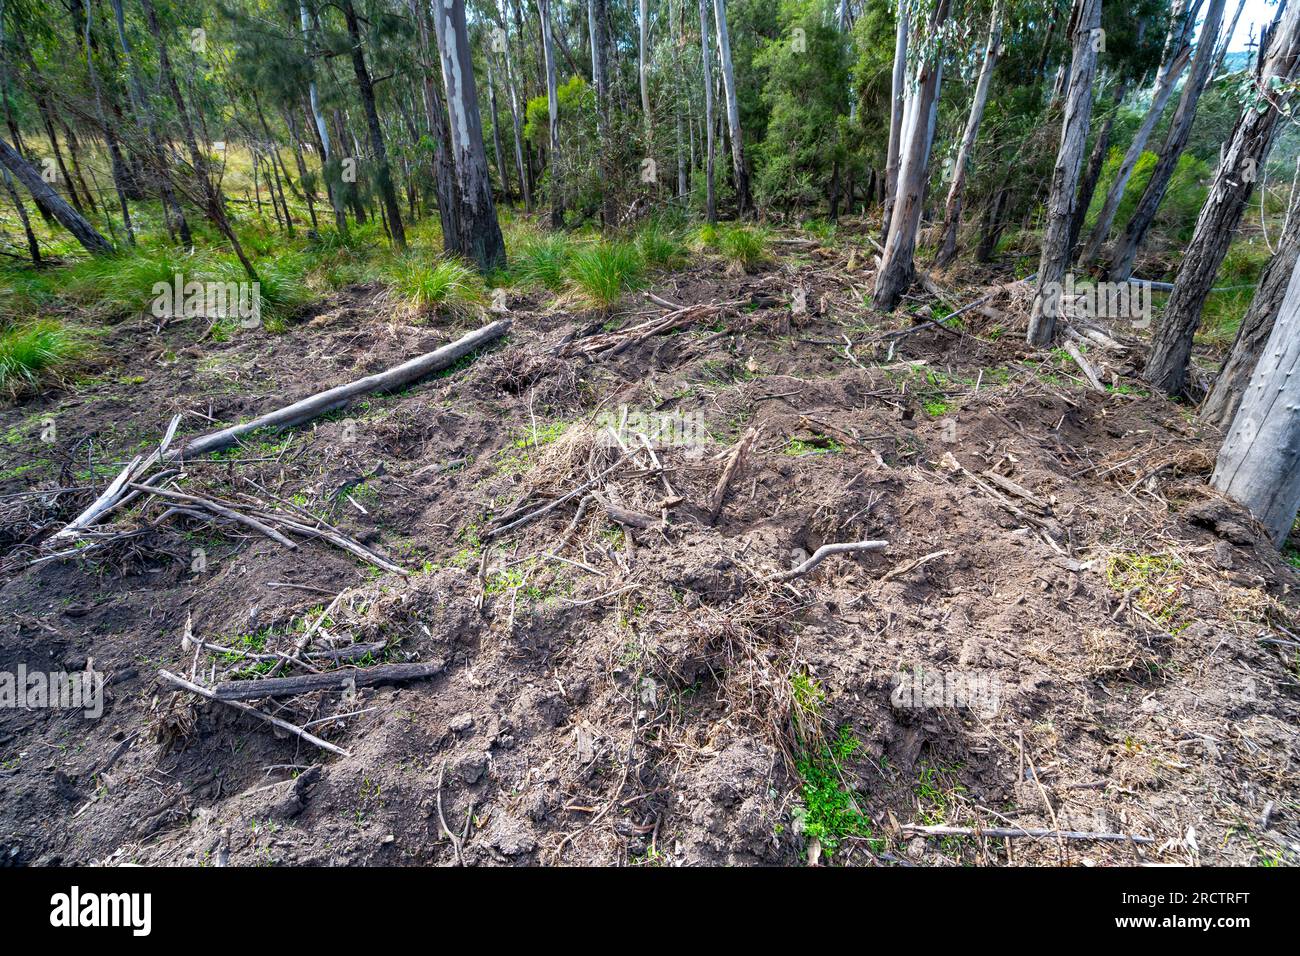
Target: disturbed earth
[{"x": 1066, "y": 629}]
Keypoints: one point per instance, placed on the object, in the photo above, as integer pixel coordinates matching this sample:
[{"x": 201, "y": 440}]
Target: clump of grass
[
  {"x": 705, "y": 237},
  {"x": 426, "y": 287},
  {"x": 660, "y": 248},
  {"x": 602, "y": 272},
  {"x": 124, "y": 283},
  {"x": 744, "y": 247},
  {"x": 34, "y": 349},
  {"x": 542, "y": 260},
  {"x": 1154, "y": 582}
]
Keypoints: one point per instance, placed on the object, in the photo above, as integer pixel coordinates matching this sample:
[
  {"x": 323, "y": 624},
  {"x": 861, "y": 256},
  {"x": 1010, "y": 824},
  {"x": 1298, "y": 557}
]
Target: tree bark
[
  {"x": 1259, "y": 463},
  {"x": 1243, "y": 160},
  {"x": 1256, "y": 326},
  {"x": 744, "y": 200},
  {"x": 366, "y": 88},
  {"x": 1055, "y": 257},
  {"x": 952, "y": 212},
  {"x": 597, "y": 18},
  {"x": 1177, "y": 53},
  {"x": 69, "y": 218},
  {"x": 435, "y": 117},
  {"x": 897, "y": 266},
  {"x": 1092, "y": 172},
  {"x": 1180, "y": 129},
  {"x": 553, "y": 117},
  {"x": 711, "y": 198},
  {"x": 898, "y": 103},
  {"x": 481, "y": 233}
]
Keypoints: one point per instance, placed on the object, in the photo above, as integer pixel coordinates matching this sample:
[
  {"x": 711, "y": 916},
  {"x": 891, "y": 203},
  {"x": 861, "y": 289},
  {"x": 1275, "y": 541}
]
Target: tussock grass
[
  {"x": 33, "y": 350},
  {"x": 744, "y": 247},
  {"x": 660, "y": 247},
  {"x": 603, "y": 272},
  {"x": 426, "y": 287},
  {"x": 542, "y": 259}
]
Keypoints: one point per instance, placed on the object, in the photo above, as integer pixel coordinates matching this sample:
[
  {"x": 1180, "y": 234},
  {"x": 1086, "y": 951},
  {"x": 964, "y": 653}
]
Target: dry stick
[
  {"x": 344, "y": 678},
  {"x": 300, "y": 645},
  {"x": 218, "y": 509},
  {"x": 547, "y": 508},
  {"x": 824, "y": 552},
  {"x": 1089, "y": 372},
  {"x": 728, "y": 473},
  {"x": 913, "y": 565},
  {"x": 284, "y": 725},
  {"x": 330, "y": 399},
  {"x": 1021, "y": 832}
]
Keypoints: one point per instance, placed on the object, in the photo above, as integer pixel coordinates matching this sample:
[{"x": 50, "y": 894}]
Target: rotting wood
[
  {"x": 344, "y": 678},
  {"x": 738, "y": 455}
]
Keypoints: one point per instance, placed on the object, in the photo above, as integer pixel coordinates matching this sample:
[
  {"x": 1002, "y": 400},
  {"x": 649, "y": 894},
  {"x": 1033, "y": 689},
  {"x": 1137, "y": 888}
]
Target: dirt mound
[{"x": 625, "y": 681}]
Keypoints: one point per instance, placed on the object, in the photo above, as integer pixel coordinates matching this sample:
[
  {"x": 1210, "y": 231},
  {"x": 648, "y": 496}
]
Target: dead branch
[
  {"x": 826, "y": 551},
  {"x": 345, "y": 678}
]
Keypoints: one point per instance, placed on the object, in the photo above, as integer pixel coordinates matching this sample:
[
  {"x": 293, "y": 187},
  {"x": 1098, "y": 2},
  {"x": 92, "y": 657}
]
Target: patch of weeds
[
  {"x": 602, "y": 272},
  {"x": 544, "y": 435},
  {"x": 35, "y": 350},
  {"x": 744, "y": 247},
  {"x": 1153, "y": 580},
  {"x": 829, "y": 812},
  {"x": 934, "y": 790},
  {"x": 817, "y": 445},
  {"x": 428, "y": 287}
]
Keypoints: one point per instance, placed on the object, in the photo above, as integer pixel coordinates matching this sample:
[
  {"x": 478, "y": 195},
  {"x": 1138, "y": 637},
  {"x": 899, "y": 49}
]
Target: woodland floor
[{"x": 647, "y": 696}]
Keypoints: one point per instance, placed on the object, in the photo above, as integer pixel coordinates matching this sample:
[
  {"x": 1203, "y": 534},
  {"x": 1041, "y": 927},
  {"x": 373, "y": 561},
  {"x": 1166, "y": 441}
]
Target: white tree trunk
[
  {"x": 711, "y": 201},
  {"x": 898, "y": 106},
  {"x": 553, "y": 115},
  {"x": 741, "y": 173},
  {"x": 1259, "y": 463}
]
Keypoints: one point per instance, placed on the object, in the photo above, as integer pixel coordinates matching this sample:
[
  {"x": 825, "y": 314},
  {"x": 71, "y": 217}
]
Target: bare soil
[{"x": 617, "y": 695}]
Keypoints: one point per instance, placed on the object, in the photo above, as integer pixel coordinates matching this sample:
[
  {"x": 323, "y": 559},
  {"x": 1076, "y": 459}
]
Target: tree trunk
[
  {"x": 1177, "y": 53},
  {"x": 1256, "y": 326},
  {"x": 117, "y": 163},
  {"x": 69, "y": 218},
  {"x": 512, "y": 85},
  {"x": 502, "y": 171},
  {"x": 597, "y": 17},
  {"x": 1055, "y": 258},
  {"x": 1243, "y": 160},
  {"x": 482, "y": 241},
  {"x": 643, "y": 38},
  {"x": 1092, "y": 172},
  {"x": 1180, "y": 129},
  {"x": 1259, "y": 463},
  {"x": 553, "y": 117},
  {"x": 743, "y": 199},
  {"x": 33, "y": 247},
  {"x": 320, "y": 126},
  {"x": 711, "y": 198},
  {"x": 898, "y": 103},
  {"x": 897, "y": 268},
  {"x": 435, "y": 116},
  {"x": 952, "y": 213},
  {"x": 367, "y": 90}
]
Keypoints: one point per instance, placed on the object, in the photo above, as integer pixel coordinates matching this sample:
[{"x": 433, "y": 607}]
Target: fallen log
[
  {"x": 349, "y": 677},
  {"x": 322, "y": 402},
  {"x": 1000, "y": 832}
]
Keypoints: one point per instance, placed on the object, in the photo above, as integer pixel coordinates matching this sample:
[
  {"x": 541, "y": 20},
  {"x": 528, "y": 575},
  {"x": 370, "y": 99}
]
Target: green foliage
[
  {"x": 660, "y": 247},
  {"x": 829, "y": 812},
  {"x": 34, "y": 349},
  {"x": 430, "y": 286},
  {"x": 542, "y": 260},
  {"x": 743, "y": 246},
  {"x": 602, "y": 272}
]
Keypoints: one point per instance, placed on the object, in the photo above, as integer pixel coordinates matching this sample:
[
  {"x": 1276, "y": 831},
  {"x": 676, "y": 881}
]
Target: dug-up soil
[{"x": 624, "y": 679}]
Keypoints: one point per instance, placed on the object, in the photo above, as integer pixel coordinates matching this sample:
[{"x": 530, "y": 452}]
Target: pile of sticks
[{"x": 676, "y": 318}]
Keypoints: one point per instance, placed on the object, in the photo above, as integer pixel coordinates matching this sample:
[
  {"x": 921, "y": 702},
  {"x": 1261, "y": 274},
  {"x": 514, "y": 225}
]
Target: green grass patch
[
  {"x": 34, "y": 350},
  {"x": 426, "y": 287},
  {"x": 829, "y": 812},
  {"x": 603, "y": 272}
]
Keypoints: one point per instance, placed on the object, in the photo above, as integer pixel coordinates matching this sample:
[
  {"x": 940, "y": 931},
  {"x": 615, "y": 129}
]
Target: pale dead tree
[
  {"x": 318, "y": 117},
  {"x": 711, "y": 199},
  {"x": 481, "y": 239},
  {"x": 739, "y": 170},
  {"x": 952, "y": 209},
  {"x": 1259, "y": 463},
  {"x": 1055, "y": 258},
  {"x": 1242, "y": 163},
  {"x": 1256, "y": 325},
  {"x": 898, "y": 101},
  {"x": 553, "y": 116},
  {"x": 1226, "y": 38},
  {"x": 1180, "y": 130},
  {"x": 1177, "y": 53},
  {"x": 897, "y": 264}
]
